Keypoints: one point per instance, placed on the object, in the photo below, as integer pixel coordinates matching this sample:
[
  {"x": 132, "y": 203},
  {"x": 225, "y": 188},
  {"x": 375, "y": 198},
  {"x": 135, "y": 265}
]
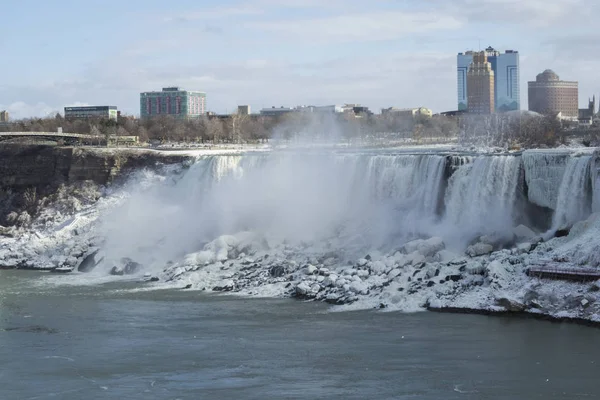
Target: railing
[{"x": 564, "y": 273}]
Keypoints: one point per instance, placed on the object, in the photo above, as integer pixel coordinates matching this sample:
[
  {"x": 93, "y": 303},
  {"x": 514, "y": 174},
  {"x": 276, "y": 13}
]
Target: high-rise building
[
  {"x": 507, "y": 95},
  {"x": 480, "y": 85},
  {"x": 549, "y": 95},
  {"x": 243, "y": 110},
  {"x": 4, "y": 117},
  {"x": 173, "y": 101},
  {"x": 108, "y": 112}
]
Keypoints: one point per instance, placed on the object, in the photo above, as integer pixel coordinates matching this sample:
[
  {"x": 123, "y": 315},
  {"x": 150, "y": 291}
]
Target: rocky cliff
[
  {"x": 29, "y": 173},
  {"x": 25, "y": 166}
]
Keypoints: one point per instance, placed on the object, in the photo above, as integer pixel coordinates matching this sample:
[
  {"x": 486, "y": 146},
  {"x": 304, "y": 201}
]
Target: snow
[{"x": 356, "y": 230}]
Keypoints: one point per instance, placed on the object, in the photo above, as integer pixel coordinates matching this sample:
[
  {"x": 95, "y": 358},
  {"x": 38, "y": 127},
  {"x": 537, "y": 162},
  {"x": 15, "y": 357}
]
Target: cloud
[
  {"x": 214, "y": 14},
  {"x": 533, "y": 13},
  {"x": 383, "y": 25},
  {"x": 21, "y": 109}
]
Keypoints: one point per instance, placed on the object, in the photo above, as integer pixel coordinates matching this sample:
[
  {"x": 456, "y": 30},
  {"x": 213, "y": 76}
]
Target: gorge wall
[{"x": 40, "y": 166}]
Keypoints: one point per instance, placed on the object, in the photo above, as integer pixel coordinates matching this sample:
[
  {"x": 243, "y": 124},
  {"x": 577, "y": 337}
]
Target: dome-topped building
[
  {"x": 551, "y": 96},
  {"x": 547, "y": 76}
]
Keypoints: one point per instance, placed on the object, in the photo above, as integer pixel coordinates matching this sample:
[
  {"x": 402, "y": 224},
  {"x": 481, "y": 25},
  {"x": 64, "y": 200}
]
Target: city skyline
[{"x": 266, "y": 53}]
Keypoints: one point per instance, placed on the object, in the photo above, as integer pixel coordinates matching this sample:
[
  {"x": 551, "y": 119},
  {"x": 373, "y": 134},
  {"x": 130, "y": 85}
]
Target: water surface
[{"x": 107, "y": 342}]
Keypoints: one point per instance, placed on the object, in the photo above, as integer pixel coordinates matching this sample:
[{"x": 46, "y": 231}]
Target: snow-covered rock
[
  {"x": 523, "y": 233},
  {"x": 479, "y": 249},
  {"x": 427, "y": 247}
]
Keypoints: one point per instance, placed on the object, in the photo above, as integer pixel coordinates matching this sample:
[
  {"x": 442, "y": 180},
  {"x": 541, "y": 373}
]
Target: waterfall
[
  {"x": 350, "y": 201},
  {"x": 544, "y": 171},
  {"x": 481, "y": 196},
  {"x": 574, "y": 197}
]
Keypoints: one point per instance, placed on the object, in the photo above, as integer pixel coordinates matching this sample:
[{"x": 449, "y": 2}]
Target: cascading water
[
  {"x": 481, "y": 196},
  {"x": 574, "y": 195},
  {"x": 350, "y": 201},
  {"x": 544, "y": 171}
]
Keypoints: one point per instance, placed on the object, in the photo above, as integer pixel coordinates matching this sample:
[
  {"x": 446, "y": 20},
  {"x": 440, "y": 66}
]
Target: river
[{"x": 117, "y": 341}]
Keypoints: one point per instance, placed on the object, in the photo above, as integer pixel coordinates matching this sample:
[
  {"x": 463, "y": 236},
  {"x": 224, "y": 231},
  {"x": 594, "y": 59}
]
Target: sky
[{"x": 378, "y": 53}]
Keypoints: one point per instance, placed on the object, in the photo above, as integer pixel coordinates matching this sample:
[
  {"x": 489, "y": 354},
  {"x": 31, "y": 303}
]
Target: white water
[
  {"x": 574, "y": 195},
  {"x": 544, "y": 171},
  {"x": 481, "y": 196},
  {"x": 353, "y": 202}
]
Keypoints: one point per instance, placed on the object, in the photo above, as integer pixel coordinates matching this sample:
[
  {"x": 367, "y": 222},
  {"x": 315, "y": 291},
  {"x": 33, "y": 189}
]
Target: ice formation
[{"x": 397, "y": 230}]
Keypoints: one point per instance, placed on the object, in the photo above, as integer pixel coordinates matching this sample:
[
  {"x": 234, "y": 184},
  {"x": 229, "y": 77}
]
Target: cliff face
[
  {"x": 40, "y": 166},
  {"x": 31, "y": 176}
]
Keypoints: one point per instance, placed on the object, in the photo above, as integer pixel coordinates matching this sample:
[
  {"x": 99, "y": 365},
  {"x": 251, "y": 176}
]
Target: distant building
[
  {"x": 273, "y": 111},
  {"x": 243, "y": 110},
  {"x": 507, "y": 94},
  {"x": 549, "y": 95},
  {"x": 332, "y": 109},
  {"x": 173, "y": 101},
  {"x": 106, "y": 112},
  {"x": 453, "y": 113},
  {"x": 4, "y": 117},
  {"x": 480, "y": 85},
  {"x": 586, "y": 115},
  {"x": 412, "y": 113}
]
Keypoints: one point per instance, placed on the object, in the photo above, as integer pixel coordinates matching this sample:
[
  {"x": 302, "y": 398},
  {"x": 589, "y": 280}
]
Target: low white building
[{"x": 409, "y": 112}]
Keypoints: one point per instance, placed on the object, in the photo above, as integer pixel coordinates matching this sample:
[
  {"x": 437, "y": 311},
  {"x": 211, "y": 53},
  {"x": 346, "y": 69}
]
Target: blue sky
[{"x": 266, "y": 53}]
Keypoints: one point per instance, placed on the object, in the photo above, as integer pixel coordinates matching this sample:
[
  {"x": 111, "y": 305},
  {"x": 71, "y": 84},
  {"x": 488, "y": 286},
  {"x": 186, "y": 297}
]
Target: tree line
[{"x": 503, "y": 130}]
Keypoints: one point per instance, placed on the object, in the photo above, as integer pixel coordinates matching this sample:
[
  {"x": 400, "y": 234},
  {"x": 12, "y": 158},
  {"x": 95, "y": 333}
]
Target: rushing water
[
  {"x": 574, "y": 196},
  {"x": 108, "y": 342}
]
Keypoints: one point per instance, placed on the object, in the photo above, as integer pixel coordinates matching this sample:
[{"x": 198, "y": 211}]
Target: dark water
[{"x": 102, "y": 343}]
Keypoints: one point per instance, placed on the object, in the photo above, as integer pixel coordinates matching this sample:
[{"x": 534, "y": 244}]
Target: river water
[{"x": 113, "y": 341}]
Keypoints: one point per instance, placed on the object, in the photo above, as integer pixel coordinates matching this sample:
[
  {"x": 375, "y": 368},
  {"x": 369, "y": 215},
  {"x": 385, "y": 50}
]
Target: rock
[
  {"x": 429, "y": 272},
  {"x": 188, "y": 286},
  {"x": 479, "y": 249},
  {"x": 523, "y": 248},
  {"x": 415, "y": 258},
  {"x": 474, "y": 268},
  {"x": 510, "y": 305},
  {"x": 324, "y": 271},
  {"x": 499, "y": 273},
  {"x": 378, "y": 267},
  {"x": 224, "y": 286},
  {"x": 523, "y": 233},
  {"x": 454, "y": 278},
  {"x": 426, "y": 248},
  {"x": 330, "y": 280},
  {"x": 393, "y": 273},
  {"x": 445, "y": 256},
  {"x": 131, "y": 267},
  {"x": 332, "y": 298},
  {"x": 302, "y": 289},
  {"x": 310, "y": 269},
  {"x": 277, "y": 271},
  {"x": 430, "y": 283},
  {"x": 362, "y": 273},
  {"x": 154, "y": 279},
  {"x": 595, "y": 287},
  {"x": 585, "y": 303},
  {"x": 88, "y": 263},
  {"x": 362, "y": 262},
  {"x": 359, "y": 287}
]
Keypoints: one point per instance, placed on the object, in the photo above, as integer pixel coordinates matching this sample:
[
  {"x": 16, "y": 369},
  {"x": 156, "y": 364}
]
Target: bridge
[{"x": 70, "y": 138}]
